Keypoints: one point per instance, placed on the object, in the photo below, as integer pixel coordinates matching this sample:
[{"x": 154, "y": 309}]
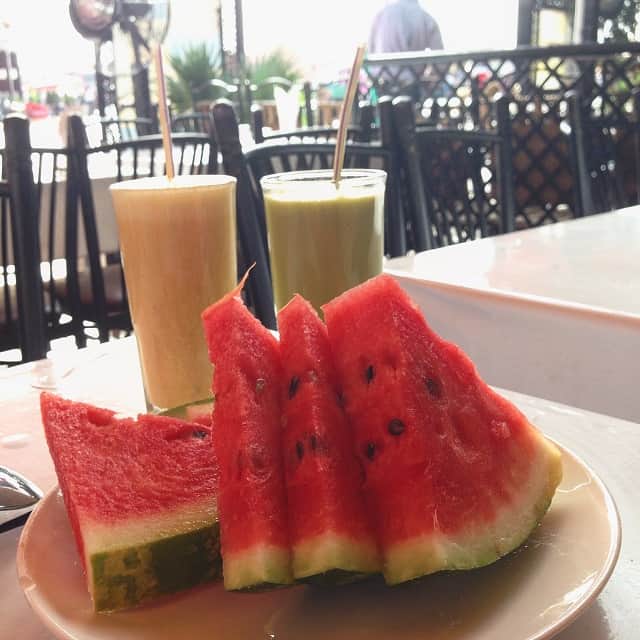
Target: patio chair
[
  {"x": 94, "y": 289},
  {"x": 191, "y": 122},
  {"x": 362, "y": 131},
  {"x": 460, "y": 182},
  {"x": 22, "y": 311},
  {"x": 604, "y": 157},
  {"x": 248, "y": 166},
  {"x": 123, "y": 129}
]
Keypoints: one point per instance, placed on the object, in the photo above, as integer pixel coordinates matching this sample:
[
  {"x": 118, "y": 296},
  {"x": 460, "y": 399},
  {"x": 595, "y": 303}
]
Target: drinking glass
[
  {"x": 324, "y": 238},
  {"x": 178, "y": 248}
]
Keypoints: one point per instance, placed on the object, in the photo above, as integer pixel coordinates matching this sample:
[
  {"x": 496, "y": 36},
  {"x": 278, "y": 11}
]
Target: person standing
[
  {"x": 401, "y": 26},
  {"x": 404, "y": 25}
]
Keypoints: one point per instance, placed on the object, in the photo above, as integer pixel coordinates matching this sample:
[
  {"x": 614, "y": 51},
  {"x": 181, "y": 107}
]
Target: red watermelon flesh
[
  {"x": 246, "y": 435},
  {"x": 330, "y": 530},
  {"x": 456, "y": 476},
  {"x": 140, "y": 495}
]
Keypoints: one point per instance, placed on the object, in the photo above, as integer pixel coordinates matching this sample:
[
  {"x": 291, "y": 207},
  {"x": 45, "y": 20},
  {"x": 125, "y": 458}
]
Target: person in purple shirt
[{"x": 404, "y": 25}]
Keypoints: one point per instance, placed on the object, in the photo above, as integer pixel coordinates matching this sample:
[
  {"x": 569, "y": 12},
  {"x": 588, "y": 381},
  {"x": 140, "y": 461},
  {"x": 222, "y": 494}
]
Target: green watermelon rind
[
  {"x": 475, "y": 549},
  {"x": 132, "y": 575},
  {"x": 132, "y": 561}
]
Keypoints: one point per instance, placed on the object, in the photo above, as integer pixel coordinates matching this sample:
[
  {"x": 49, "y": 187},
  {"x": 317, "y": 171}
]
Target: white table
[
  {"x": 553, "y": 312},
  {"x": 109, "y": 375}
]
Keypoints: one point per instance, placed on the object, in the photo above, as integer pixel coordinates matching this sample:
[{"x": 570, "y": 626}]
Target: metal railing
[{"x": 456, "y": 90}]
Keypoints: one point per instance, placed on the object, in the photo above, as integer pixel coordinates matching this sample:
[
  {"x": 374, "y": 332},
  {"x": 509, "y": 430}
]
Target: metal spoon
[{"x": 17, "y": 495}]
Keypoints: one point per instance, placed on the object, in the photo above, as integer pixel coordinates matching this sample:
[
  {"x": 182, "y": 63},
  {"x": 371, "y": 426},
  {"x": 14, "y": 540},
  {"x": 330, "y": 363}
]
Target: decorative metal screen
[{"x": 457, "y": 91}]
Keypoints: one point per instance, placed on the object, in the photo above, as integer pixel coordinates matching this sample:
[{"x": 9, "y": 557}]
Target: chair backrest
[
  {"x": 596, "y": 149},
  {"x": 251, "y": 225},
  {"x": 22, "y": 323},
  {"x": 193, "y": 153},
  {"x": 460, "y": 182},
  {"x": 300, "y": 150},
  {"x": 273, "y": 157},
  {"x": 363, "y": 129},
  {"x": 125, "y": 129},
  {"x": 192, "y": 122}
]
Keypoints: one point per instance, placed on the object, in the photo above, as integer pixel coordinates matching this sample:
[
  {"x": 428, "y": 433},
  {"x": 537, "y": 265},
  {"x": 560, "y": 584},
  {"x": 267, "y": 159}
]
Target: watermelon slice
[
  {"x": 331, "y": 534},
  {"x": 246, "y": 436},
  {"x": 456, "y": 476},
  {"x": 140, "y": 497}
]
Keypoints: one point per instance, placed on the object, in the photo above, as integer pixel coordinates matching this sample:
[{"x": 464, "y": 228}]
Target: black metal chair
[
  {"x": 125, "y": 129},
  {"x": 269, "y": 157},
  {"x": 22, "y": 311},
  {"x": 49, "y": 172},
  {"x": 460, "y": 182},
  {"x": 202, "y": 123},
  {"x": 250, "y": 219},
  {"x": 598, "y": 168},
  {"x": 192, "y": 122},
  {"x": 363, "y": 130},
  {"x": 94, "y": 290}
]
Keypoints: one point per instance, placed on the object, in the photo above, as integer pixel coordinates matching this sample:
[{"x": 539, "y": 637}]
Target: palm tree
[
  {"x": 277, "y": 63},
  {"x": 193, "y": 68}
]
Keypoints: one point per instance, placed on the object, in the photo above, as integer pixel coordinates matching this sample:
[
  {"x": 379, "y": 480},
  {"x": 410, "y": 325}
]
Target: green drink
[{"x": 323, "y": 238}]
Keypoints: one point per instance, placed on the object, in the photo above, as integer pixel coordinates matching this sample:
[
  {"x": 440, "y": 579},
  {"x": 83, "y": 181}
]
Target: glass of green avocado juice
[{"x": 324, "y": 237}]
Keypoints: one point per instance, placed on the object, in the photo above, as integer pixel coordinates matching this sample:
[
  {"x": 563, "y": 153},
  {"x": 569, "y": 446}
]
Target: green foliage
[
  {"x": 52, "y": 98},
  {"x": 278, "y": 63},
  {"x": 193, "y": 67}
]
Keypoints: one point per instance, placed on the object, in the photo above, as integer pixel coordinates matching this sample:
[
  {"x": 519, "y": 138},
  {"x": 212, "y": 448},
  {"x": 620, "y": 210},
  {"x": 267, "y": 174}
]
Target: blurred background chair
[
  {"x": 123, "y": 129},
  {"x": 460, "y": 182},
  {"x": 275, "y": 156},
  {"x": 604, "y": 178},
  {"x": 94, "y": 289},
  {"x": 22, "y": 309},
  {"x": 192, "y": 122},
  {"x": 250, "y": 220},
  {"x": 362, "y": 129}
]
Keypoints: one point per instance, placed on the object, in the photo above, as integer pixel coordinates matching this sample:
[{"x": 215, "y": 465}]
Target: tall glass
[
  {"x": 323, "y": 238},
  {"x": 178, "y": 247}
]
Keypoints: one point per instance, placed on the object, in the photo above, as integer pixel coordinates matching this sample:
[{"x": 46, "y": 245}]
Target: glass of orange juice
[{"x": 178, "y": 248}]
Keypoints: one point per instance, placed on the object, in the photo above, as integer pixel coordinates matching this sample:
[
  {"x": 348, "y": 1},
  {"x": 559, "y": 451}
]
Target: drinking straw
[
  {"x": 163, "y": 113},
  {"x": 345, "y": 114}
]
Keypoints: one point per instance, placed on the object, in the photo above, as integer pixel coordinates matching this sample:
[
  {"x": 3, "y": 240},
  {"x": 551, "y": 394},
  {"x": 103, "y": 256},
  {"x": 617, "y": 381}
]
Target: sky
[{"x": 48, "y": 46}]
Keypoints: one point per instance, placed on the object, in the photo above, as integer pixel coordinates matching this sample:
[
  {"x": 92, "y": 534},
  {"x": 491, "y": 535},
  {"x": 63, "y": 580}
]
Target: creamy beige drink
[
  {"x": 178, "y": 245},
  {"x": 323, "y": 239}
]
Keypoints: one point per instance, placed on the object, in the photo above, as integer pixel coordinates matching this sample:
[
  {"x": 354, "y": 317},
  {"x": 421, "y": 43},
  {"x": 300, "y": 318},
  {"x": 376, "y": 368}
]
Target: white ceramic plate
[{"x": 529, "y": 595}]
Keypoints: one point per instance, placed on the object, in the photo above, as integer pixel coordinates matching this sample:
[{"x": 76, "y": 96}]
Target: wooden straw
[
  {"x": 163, "y": 113},
  {"x": 345, "y": 114}
]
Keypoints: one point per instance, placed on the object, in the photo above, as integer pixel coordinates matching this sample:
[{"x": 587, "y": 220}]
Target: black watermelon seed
[
  {"x": 340, "y": 399},
  {"x": 300, "y": 450},
  {"x": 396, "y": 427},
  {"x": 370, "y": 450},
  {"x": 313, "y": 442},
  {"x": 260, "y": 383},
  {"x": 198, "y": 433},
  {"x": 293, "y": 386},
  {"x": 434, "y": 387},
  {"x": 369, "y": 374}
]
